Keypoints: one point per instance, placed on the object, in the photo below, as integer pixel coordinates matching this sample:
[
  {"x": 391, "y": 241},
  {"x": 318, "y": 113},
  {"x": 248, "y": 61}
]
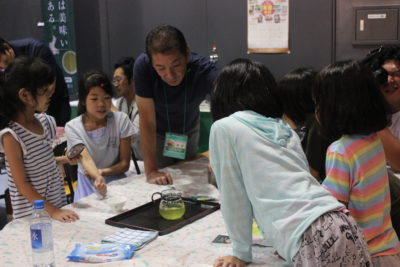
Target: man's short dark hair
[
  {"x": 245, "y": 85},
  {"x": 295, "y": 93},
  {"x": 165, "y": 38},
  {"x": 2, "y": 49},
  {"x": 126, "y": 64},
  {"x": 348, "y": 100}
]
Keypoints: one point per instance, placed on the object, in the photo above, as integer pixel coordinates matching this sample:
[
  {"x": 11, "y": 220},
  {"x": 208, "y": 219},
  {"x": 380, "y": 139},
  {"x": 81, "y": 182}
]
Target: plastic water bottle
[
  {"x": 214, "y": 55},
  {"x": 41, "y": 236}
]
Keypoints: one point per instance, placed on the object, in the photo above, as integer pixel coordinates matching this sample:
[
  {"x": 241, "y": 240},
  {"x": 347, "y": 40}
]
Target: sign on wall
[
  {"x": 268, "y": 26},
  {"x": 60, "y": 35}
]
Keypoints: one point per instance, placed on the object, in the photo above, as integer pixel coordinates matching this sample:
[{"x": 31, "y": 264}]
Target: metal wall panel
[{"x": 346, "y": 27}]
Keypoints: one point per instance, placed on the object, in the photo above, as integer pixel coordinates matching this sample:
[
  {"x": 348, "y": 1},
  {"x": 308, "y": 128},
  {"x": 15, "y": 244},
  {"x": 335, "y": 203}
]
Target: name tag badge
[{"x": 175, "y": 145}]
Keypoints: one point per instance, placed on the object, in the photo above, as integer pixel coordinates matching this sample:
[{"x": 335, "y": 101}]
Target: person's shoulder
[
  {"x": 142, "y": 60},
  {"x": 74, "y": 122},
  {"x": 117, "y": 115},
  {"x": 118, "y": 102},
  {"x": 142, "y": 66},
  {"x": 202, "y": 68},
  {"x": 226, "y": 124},
  {"x": 44, "y": 116},
  {"x": 347, "y": 144},
  {"x": 28, "y": 42},
  {"x": 201, "y": 62},
  {"x": 35, "y": 41}
]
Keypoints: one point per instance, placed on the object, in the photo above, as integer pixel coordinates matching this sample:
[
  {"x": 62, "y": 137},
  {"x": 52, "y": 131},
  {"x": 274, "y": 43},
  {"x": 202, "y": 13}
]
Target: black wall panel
[
  {"x": 345, "y": 27},
  {"x": 19, "y": 18},
  {"x": 109, "y": 29},
  {"x": 223, "y": 23}
]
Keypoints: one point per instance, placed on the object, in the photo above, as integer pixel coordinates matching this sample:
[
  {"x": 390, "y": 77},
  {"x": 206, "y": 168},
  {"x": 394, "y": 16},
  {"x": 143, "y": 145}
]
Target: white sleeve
[
  {"x": 8, "y": 130},
  {"x": 73, "y": 134},
  {"x": 235, "y": 204},
  {"x": 125, "y": 125}
]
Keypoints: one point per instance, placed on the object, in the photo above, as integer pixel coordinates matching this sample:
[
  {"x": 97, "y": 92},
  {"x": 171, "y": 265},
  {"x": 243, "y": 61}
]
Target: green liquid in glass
[{"x": 172, "y": 212}]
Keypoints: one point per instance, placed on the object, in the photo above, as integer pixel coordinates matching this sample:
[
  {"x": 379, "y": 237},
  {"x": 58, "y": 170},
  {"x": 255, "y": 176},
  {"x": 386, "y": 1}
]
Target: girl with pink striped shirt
[{"x": 351, "y": 109}]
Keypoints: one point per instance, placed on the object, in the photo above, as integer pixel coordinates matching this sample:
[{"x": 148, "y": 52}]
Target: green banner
[{"x": 58, "y": 17}]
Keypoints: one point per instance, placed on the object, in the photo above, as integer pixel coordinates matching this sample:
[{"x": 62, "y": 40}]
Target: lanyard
[
  {"x": 131, "y": 111},
  {"x": 184, "y": 107}
]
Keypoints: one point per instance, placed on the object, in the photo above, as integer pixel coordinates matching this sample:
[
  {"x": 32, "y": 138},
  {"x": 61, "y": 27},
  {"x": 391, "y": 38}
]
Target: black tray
[{"x": 147, "y": 217}]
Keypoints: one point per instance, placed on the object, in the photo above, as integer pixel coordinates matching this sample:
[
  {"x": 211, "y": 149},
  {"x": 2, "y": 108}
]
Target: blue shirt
[
  {"x": 262, "y": 173},
  {"x": 198, "y": 82}
]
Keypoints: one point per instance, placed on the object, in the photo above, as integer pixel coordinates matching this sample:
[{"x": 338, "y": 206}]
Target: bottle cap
[{"x": 38, "y": 204}]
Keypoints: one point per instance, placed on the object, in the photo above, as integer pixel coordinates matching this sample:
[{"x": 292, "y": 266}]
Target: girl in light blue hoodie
[{"x": 262, "y": 174}]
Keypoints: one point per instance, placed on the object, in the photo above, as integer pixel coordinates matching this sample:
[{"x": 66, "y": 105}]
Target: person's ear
[
  {"x": 25, "y": 96},
  {"x": 9, "y": 51},
  {"x": 6, "y": 46}
]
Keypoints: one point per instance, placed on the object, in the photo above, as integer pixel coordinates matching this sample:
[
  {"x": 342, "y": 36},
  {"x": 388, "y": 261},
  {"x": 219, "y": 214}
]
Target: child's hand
[
  {"x": 230, "y": 261},
  {"x": 100, "y": 185},
  {"x": 63, "y": 215}
]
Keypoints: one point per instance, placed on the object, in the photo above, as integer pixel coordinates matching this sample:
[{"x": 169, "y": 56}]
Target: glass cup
[{"x": 171, "y": 205}]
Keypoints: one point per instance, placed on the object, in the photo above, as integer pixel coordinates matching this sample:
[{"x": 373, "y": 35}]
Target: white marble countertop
[{"x": 189, "y": 246}]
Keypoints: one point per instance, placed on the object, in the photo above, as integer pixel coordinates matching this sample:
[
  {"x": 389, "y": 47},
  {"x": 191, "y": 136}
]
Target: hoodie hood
[{"x": 274, "y": 130}]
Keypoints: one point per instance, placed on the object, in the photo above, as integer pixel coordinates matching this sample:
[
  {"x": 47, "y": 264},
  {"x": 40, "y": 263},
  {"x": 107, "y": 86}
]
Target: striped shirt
[
  {"x": 40, "y": 166},
  {"x": 356, "y": 174}
]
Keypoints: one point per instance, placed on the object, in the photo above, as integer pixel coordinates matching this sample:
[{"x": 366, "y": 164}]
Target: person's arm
[
  {"x": 92, "y": 172},
  {"x": 13, "y": 151},
  {"x": 66, "y": 160},
  {"x": 73, "y": 133},
  {"x": 124, "y": 159},
  {"x": 148, "y": 141},
  {"x": 236, "y": 207},
  {"x": 391, "y": 145},
  {"x": 338, "y": 180}
]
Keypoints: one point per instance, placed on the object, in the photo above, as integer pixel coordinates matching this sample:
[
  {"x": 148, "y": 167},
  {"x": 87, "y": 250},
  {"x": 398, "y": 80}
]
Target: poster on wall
[
  {"x": 60, "y": 35},
  {"x": 268, "y": 26}
]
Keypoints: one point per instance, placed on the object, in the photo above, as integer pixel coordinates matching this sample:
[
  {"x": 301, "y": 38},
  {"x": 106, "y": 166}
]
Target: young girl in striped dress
[
  {"x": 26, "y": 139},
  {"x": 351, "y": 109}
]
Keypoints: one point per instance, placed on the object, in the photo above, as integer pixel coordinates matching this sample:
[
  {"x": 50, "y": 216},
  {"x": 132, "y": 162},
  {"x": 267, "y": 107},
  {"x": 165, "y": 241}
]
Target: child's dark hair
[
  {"x": 23, "y": 72},
  {"x": 295, "y": 90},
  {"x": 126, "y": 64},
  {"x": 348, "y": 100},
  {"x": 377, "y": 57},
  {"x": 88, "y": 81},
  {"x": 245, "y": 85}
]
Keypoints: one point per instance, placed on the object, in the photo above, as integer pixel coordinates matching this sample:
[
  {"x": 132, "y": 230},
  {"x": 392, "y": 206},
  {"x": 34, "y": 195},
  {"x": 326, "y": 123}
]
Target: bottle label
[{"x": 36, "y": 238}]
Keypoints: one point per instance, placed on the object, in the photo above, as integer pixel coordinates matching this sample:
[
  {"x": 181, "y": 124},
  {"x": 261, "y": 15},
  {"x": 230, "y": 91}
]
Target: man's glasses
[
  {"x": 117, "y": 79},
  {"x": 394, "y": 73}
]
